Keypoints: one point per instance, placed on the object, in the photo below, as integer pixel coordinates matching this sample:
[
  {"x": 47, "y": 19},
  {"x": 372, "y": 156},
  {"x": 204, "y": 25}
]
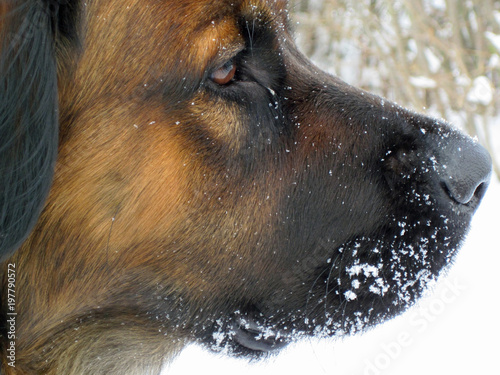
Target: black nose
[{"x": 465, "y": 170}]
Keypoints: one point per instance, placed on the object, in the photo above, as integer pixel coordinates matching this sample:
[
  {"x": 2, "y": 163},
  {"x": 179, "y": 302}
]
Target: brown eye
[{"x": 224, "y": 74}]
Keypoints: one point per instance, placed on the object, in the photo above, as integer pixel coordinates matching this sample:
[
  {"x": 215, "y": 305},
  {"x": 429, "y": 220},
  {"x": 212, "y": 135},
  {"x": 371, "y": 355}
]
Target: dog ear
[{"x": 28, "y": 115}]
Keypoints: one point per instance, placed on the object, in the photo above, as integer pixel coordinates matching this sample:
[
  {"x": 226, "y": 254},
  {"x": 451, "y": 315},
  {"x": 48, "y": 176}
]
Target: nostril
[
  {"x": 464, "y": 193},
  {"x": 481, "y": 190},
  {"x": 467, "y": 172}
]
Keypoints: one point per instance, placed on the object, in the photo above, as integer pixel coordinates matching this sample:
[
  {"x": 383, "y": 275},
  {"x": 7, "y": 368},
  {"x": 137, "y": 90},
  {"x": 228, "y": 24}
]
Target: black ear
[{"x": 28, "y": 115}]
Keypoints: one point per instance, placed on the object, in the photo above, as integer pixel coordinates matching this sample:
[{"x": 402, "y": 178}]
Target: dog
[{"x": 177, "y": 172}]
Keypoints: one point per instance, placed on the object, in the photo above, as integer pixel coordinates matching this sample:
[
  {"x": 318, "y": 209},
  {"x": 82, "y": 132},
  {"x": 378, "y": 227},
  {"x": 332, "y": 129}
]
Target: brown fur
[{"x": 110, "y": 207}]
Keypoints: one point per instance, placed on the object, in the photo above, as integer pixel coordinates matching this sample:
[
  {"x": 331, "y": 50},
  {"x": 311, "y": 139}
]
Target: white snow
[
  {"x": 494, "y": 39},
  {"x": 350, "y": 295},
  {"x": 423, "y": 82},
  {"x": 496, "y": 14},
  {"x": 481, "y": 92},
  {"x": 494, "y": 61},
  {"x": 438, "y": 4},
  {"x": 367, "y": 269},
  {"x": 433, "y": 61}
]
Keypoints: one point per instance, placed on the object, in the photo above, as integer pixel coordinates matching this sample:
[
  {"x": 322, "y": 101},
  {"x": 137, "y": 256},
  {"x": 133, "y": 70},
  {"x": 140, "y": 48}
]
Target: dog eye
[{"x": 224, "y": 74}]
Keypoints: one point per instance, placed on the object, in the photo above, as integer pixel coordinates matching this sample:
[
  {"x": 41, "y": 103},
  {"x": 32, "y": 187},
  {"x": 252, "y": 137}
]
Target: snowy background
[{"x": 446, "y": 57}]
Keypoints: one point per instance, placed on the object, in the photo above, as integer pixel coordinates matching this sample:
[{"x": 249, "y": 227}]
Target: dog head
[{"x": 213, "y": 181}]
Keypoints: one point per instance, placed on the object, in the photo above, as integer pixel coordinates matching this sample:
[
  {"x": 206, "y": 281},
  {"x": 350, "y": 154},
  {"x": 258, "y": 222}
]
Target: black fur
[
  {"x": 28, "y": 120},
  {"x": 29, "y": 126}
]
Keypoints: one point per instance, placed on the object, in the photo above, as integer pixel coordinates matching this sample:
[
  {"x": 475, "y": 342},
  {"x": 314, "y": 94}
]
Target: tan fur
[{"x": 126, "y": 185}]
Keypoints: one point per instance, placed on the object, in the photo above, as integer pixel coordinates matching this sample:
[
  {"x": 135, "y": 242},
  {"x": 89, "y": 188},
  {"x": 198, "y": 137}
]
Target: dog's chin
[
  {"x": 369, "y": 294},
  {"x": 374, "y": 281}
]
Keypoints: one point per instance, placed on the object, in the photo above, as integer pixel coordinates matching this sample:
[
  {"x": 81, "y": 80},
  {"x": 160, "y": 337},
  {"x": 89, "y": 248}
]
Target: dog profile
[{"x": 177, "y": 171}]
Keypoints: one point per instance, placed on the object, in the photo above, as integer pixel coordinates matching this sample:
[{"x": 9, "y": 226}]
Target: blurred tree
[{"x": 442, "y": 56}]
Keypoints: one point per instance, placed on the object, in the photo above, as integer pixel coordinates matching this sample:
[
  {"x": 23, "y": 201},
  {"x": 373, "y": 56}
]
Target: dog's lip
[{"x": 255, "y": 336}]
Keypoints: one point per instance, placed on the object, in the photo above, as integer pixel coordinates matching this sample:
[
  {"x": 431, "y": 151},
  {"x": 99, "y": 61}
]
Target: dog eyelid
[{"x": 224, "y": 74}]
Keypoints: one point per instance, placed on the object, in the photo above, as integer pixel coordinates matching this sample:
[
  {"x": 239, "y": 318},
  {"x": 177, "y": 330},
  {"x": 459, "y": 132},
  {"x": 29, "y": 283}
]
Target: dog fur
[{"x": 239, "y": 214}]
